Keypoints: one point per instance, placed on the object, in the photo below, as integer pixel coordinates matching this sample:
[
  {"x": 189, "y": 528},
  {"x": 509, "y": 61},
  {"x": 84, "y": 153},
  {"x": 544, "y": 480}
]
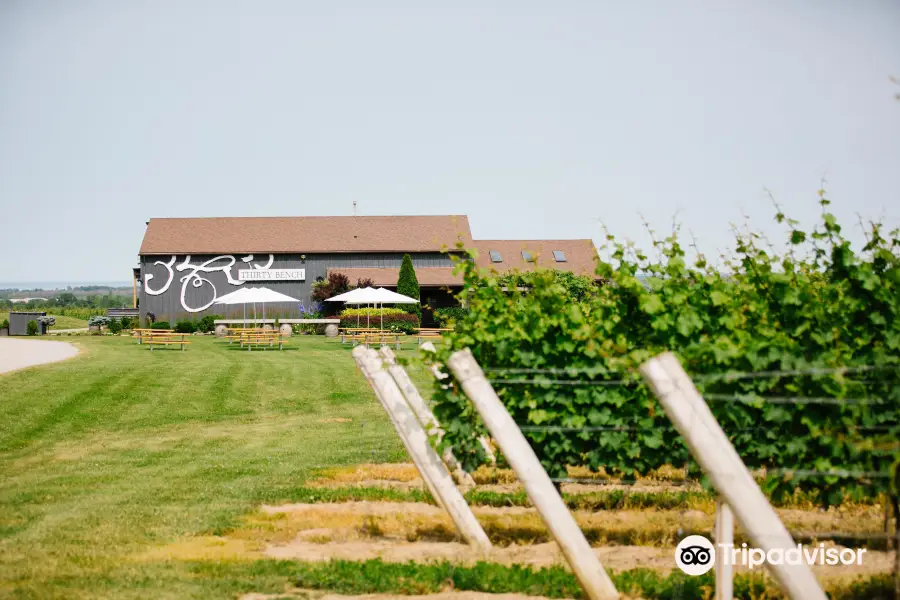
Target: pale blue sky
[{"x": 537, "y": 119}]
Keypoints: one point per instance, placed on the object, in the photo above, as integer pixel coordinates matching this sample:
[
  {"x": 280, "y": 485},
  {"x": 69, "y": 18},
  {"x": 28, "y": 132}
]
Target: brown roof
[
  {"x": 580, "y": 255},
  {"x": 384, "y": 277},
  {"x": 229, "y": 235}
]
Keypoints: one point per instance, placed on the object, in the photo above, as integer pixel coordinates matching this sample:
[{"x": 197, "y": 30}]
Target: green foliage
[
  {"x": 4, "y": 324},
  {"x": 82, "y": 313},
  {"x": 207, "y": 323},
  {"x": 47, "y": 322},
  {"x": 399, "y": 323},
  {"x": 408, "y": 285},
  {"x": 370, "y": 311},
  {"x": 337, "y": 283},
  {"x": 818, "y": 305},
  {"x": 160, "y": 325},
  {"x": 576, "y": 287},
  {"x": 446, "y": 317},
  {"x": 183, "y": 327},
  {"x": 115, "y": 326},
  {"x": 98, "y": 321},
  {"x": 32, "y": 327},
  {"x": 127, "y": 322}
]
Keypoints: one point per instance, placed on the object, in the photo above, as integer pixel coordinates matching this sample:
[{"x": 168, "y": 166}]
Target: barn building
[{"x": 186, "y": 264}]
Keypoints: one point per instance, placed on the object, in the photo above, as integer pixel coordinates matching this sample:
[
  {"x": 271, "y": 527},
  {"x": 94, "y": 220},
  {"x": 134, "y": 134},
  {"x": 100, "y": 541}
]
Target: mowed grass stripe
[{"x": 120, "y": 450}]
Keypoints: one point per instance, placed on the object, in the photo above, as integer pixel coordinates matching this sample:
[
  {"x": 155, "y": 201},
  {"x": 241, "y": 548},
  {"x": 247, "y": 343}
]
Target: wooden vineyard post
[
  {"x": 724, "y": 534},
  {"x": 714, "y": 453},
  {"x": 413, "y": 435},
  {"x": 585, "y": 564},
  {"x": 423, "y": 413},
  {"x": 440, "y": 376}
]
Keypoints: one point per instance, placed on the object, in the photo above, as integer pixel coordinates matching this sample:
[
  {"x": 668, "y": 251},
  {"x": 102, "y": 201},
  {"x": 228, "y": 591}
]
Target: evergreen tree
[{"x": 408, "y": 285}]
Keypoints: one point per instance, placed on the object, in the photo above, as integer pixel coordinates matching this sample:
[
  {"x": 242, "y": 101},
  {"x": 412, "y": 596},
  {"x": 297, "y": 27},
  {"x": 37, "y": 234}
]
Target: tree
[
  {"x": 337, "y": 283},
  {"x": 363, "y": 283},
  {"x": 408, "y": 285}
]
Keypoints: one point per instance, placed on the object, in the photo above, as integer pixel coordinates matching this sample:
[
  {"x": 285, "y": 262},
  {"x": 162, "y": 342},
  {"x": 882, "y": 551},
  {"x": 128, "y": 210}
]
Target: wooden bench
[
  {"x": 429, "y": 333},
  {"x": 140, "y": 334},
  {"x": 167, "y": 339}
]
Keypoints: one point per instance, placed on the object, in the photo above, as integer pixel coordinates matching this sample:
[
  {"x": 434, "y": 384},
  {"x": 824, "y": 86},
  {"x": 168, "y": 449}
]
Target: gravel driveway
[{"x": 18, "y": 353}]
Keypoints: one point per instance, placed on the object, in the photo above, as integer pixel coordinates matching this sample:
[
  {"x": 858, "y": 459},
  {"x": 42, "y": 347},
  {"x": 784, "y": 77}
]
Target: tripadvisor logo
[{"x": 696, "y": 555}]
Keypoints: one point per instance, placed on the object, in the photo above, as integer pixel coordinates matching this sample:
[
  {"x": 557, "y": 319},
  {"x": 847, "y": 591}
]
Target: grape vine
[{"x": 815, "y": 305}]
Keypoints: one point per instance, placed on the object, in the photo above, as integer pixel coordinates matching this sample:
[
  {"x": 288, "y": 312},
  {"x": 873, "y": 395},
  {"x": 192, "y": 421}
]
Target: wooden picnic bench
[
  {"x": 142, "y": 333},
  {"x": 264, "y": 339},
  {"x": 235, "y": 333},
  {"x": 348, "y": 333},
  {"x": 167, "y": 339},
  {"x": 383, "y": 337},
  {"x": 429, "y": 333}
]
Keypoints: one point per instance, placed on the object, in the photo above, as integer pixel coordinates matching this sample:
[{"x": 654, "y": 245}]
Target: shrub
[
  {"x": 207, "y": 323},
  {"x": 115, "y": 326},
  {"x": 337, "y": 283},
  {"x": 185, "y": 327},
  {"x": 447, "y": 317},
  {"x": 32, "y": 327},
  {"x": 311, "y": 328},
  {"x": 400, "y": 323},
  {"x": 4, "y": 324},
  {"x": 98, "y": 320},
  {"x": 408, "y": 285},
  {"x": 160, "y": 325},
  {"x": 364, "y": 283},
  {"x": 371, "y": 312},
  {"x": 125, "y": 322}
]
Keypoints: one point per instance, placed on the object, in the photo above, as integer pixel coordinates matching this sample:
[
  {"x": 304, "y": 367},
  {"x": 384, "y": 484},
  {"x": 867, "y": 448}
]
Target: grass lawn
[
  {"x": 118, "y": 451},
  {"x": 61, "y": 322}
]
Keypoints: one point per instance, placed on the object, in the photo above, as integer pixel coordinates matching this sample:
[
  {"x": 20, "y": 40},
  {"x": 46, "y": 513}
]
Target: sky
[{"x": 536, "y": 119}]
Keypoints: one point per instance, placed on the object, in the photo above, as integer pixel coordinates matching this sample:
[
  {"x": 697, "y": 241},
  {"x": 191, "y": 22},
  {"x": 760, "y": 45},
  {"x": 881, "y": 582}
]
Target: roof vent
[
  {"x": 496, "y": 256},
  {"x": 559, "y": 256}
]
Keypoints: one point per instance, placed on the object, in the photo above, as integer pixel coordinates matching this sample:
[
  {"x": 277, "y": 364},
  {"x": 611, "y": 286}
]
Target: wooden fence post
[
  {"x": 710, "y": 446},
  {"x": 440, "y": 376},
  {"x": 424, "y": 414},
  {"x": 585, "y": 564},
  {"x": 724, "y": 534},
  {"x": 433, "y": 471}
]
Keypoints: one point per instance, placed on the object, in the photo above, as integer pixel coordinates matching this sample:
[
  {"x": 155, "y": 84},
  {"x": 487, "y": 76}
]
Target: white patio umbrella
[
  {"x": 366, "y": 295},
  {"x": 388, "y": 297},
  {"x": 255, "y": 296},
  {"x": 235, "y": 298}
]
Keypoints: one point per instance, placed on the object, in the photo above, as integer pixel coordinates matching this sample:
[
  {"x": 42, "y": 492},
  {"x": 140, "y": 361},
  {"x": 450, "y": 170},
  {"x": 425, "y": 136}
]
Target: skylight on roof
[
  {"x": 527, "y": 256},
  {"x": 496, "y": 257},
  {"x": 559, "y": 256}
]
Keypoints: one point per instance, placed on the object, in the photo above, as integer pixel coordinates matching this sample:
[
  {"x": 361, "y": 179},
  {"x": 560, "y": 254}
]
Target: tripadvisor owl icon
[{"x": 695, "y": 555}]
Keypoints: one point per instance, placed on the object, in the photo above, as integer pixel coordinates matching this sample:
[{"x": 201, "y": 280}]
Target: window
[
  {"x": 496, "y": 257},
  {"x": 527, "y": 256},
  {"x": 559, "y": 256}
]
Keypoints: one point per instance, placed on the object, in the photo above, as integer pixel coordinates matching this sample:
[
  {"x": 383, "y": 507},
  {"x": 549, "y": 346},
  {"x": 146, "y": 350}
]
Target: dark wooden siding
[{"x": 167, "y": 306}]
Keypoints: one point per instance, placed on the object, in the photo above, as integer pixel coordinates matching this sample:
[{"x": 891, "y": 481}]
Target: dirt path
[{"x": 18, "y": 354}]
